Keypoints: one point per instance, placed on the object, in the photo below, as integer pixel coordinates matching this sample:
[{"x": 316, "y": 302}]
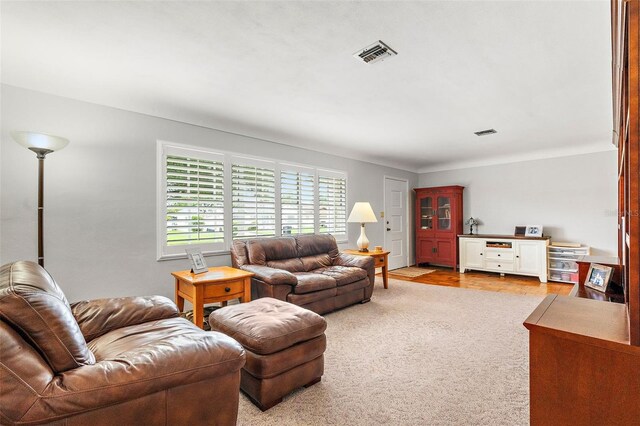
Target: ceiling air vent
[
  {"x": 485, "y": 132},
  {"x": 376, "y": 52}
]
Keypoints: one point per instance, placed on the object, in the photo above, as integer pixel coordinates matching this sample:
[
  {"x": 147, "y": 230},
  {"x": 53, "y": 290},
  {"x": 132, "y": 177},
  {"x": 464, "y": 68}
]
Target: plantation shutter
[
  {"x": 194, "y": 200},
  {"x": 332, "y": 203},
  {"x": 254, "y": 200},
  {"x": 297, "y": 200}
]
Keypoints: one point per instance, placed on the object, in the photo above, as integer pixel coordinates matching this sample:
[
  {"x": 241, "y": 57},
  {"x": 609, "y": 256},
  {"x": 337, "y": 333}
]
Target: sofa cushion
[
  {"x": 342, "y": 274},
  {"x": 309, "y": 282},
  {"x": 305, "y": 298},
  {"x": 292, "y": 265},
  {"x": 316, "y": 261},
  {"x": 311, "y": 244},
  {"x": 239, "y": 253},
  {"x": 263, "y": 250},
  {"x": 343, "y": 289},
  {"x": 267, "y": 325},
  {"x": 32, "y": 302}
]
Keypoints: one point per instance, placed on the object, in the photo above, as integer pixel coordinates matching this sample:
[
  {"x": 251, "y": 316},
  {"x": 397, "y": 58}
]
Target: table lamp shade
[
  {"x": 362, "y": 213},
  {"x": 39, "y": 140}
]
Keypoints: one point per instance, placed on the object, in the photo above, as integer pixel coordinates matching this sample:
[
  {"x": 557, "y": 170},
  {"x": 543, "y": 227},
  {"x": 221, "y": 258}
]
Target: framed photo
[
  {"x": 520, "y": 230},
  {"x": 533, "y": 231},
  {"x": 598, "y": 277},
  {"x": 198, "y": 265}
]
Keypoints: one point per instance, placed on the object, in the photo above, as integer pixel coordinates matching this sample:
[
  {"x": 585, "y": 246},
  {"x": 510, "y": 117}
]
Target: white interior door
[{"x": 395, "y": 221}]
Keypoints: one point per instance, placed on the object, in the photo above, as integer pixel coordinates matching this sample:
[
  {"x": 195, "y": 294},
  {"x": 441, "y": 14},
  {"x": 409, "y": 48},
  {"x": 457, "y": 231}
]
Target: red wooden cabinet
[{"x": 438, "y": 224}]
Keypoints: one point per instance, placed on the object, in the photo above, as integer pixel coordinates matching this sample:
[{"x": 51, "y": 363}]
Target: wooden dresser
[
  {"x": 583, "y": 369},
  {"x": 584, "y": 353}
]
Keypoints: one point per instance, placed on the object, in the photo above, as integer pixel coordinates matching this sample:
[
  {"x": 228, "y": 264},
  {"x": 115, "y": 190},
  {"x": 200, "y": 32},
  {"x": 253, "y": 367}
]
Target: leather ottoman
[{"x": 284, "y": 345}]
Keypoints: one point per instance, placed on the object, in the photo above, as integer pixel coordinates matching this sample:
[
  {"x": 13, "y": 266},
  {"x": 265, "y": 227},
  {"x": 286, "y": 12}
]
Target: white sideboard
[{"x": 504, "y": 254}]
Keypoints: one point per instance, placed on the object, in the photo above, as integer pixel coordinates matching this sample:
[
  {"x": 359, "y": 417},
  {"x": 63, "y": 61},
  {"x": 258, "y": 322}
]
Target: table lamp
[
  {"x": 42, "y": 145},
  {"x": 362, "y": 213}
]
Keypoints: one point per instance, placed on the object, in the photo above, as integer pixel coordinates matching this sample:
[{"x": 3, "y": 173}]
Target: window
[
  {"x": 254, "y": 201},
  {"x": 193, "y": 207},
  {"x": 297, "y": 200},
  {"x": 207, "y": 199},
  {"x": 332, "y": 203}
]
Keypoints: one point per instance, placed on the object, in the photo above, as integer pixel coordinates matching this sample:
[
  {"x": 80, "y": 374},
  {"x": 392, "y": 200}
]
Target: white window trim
[{"x": 172, "y": 148}]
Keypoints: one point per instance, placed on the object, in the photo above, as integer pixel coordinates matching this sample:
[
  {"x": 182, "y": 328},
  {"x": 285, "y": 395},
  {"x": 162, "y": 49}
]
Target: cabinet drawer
[
  {"x": 498, "y": 265},
  {"x": 499, "y": 254},
  {"x": 223, "y": 289}
]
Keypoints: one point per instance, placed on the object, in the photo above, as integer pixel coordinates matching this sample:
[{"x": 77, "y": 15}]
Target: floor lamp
[{"x": 42, "y": 145}]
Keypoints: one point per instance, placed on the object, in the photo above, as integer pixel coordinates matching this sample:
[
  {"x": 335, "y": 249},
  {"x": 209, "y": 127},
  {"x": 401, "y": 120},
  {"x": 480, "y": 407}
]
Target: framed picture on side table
[
  {"x": 198, "y": 265},
  {"x": 598, "y": 277},
  {"x": 533, "y": 231}
]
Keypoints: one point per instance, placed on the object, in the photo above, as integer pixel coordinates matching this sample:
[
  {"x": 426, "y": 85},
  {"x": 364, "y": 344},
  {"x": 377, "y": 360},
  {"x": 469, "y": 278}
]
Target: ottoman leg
[
  {"x": 262, "y": 407},
  {"x": 313, "y": 382}
]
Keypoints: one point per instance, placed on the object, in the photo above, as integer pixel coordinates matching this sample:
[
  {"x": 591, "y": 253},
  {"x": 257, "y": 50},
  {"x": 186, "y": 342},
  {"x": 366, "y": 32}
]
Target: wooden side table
[
  {"x": 220, "y": 284},
  {"x": 380, "y": 259}
]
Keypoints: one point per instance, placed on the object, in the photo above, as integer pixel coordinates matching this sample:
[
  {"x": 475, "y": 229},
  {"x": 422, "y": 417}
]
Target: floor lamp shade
[
  {"x": 362, "y": 213},
  {"x": 42, "y": 144},
  {"x": 39, "y": 141}
]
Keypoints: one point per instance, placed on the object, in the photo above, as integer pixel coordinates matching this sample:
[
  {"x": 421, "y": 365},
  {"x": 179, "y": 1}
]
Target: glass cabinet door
[
  {"x": 444, "y": 213},
  {"x": 426, "y": 213}
]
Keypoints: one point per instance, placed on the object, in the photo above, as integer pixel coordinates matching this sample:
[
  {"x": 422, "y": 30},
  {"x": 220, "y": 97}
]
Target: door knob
[{"x": 388, "y": 229}]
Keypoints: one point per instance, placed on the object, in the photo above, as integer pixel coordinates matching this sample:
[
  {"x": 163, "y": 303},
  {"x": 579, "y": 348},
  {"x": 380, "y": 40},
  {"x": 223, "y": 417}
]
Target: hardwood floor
[{"x": 488, "y": 281}]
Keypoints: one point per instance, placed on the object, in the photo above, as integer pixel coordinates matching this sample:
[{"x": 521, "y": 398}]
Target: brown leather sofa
[
  {"x": 123, "y": 361},
  {"x": 306, "y": 270}
]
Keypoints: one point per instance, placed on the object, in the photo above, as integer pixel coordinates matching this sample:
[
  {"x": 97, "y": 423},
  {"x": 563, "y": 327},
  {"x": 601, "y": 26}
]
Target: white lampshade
[
  {"x": 39, "y": 140},
  {"x": 362, "y": 213}
]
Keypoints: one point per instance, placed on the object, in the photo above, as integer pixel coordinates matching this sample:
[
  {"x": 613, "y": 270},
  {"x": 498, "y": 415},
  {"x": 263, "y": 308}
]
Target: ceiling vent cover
[
  {"x": 376, "y": 52},
  {"x": 485, "y": 132}
]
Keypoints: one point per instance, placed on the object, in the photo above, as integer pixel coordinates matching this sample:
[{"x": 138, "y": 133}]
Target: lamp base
[{"x": 363, "y": 241}]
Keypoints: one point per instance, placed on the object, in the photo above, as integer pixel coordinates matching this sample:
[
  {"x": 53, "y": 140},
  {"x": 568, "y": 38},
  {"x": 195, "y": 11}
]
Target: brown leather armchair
[
  {"x": 306, "y": 270},
  {"x": 130, "y": 360}
]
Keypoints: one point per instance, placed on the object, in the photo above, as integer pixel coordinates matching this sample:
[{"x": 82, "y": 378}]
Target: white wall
[
  {"x": 574, "y": 198},
  {"x": 100, "y": 192}
]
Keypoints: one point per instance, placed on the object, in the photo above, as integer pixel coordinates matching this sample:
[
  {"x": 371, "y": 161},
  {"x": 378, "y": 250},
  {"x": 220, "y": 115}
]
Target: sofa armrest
[
  {"x": 97, "y": 317},
  {"x": 272, "y": 276},
  {"x": 365, "y": 262}
]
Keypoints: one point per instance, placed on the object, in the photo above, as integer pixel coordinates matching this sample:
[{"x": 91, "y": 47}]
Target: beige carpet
[
  {"x": 411, "y": 271},
  {"x": 417, "y": 355}
]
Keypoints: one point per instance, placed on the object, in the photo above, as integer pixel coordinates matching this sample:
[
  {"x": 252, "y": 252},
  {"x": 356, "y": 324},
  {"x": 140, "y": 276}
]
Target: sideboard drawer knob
[{"x": 227, "y": 289}]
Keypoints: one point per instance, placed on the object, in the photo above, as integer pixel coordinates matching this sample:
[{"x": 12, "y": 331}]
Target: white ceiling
[{"x": 538, "y": 72}]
